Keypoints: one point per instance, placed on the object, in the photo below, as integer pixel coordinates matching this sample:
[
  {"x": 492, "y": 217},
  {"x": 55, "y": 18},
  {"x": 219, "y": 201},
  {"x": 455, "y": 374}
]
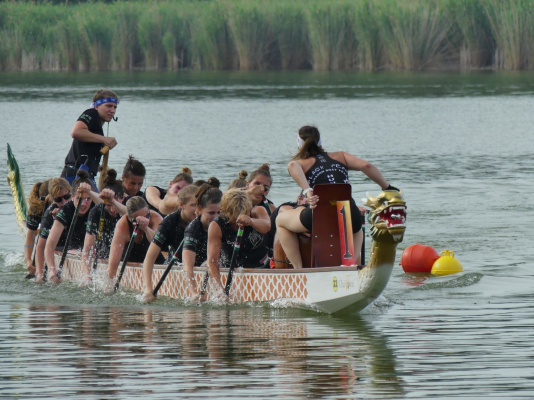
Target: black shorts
[{"x": 306, "y": 217}]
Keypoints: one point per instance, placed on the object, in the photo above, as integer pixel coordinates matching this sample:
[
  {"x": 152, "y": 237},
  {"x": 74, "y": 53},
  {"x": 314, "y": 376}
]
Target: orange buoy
[{"x": 418, "y": 258}]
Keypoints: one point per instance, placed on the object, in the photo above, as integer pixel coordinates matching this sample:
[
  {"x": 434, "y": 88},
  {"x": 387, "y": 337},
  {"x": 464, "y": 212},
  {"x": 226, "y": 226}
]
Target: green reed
[
  {"x": 268, "y": 34},
  {"x": 512, "y": 25}
]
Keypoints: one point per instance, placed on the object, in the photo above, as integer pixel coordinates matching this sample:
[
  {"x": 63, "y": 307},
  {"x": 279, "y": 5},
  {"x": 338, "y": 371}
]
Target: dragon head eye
[{"x": 385, "y": 203}]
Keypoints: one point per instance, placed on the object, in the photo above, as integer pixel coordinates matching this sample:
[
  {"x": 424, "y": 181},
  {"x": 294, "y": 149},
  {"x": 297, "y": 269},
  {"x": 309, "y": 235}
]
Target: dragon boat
[{"x": 330, "y": 281}]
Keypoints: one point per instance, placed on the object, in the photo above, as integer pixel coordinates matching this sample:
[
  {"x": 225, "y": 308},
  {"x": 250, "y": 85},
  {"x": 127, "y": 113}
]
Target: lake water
[{"x": 460, "y": 146}]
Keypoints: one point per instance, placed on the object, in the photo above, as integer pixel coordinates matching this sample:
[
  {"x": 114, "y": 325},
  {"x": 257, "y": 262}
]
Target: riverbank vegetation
[{"x": 267, "y": 35}]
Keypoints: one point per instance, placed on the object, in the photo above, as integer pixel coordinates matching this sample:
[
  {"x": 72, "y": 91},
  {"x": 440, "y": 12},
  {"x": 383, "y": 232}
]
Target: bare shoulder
[{"x": 340, "y": 156}]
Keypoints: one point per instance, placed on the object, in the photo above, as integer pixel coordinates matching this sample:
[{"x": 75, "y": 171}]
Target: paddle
[
  {"x": 266, "y": 204},
  {"x": 168, "y": 269},
  {"x": 104, "y": 171},
  {"x": 69, "y": 236},
  {"x": 126, "y": 256},
  {"x": 233, "y": 261},
  {"x": 99, "y": 237},
  {"x": 205, "y": 283}
]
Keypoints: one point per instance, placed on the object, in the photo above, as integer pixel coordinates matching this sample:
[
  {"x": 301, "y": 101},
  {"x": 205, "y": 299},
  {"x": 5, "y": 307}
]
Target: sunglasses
[{"x": 60, "y": 198}]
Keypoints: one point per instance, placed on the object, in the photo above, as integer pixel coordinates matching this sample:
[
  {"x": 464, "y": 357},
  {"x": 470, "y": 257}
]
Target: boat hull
[{"x": 330, "y": 290}]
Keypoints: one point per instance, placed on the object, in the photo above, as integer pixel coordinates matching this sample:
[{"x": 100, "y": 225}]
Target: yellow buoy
[{"x": 446, "y": 264}]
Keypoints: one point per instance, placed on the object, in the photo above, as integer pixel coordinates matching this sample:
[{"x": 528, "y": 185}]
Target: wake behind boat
[{"x": 325, "y": 285}]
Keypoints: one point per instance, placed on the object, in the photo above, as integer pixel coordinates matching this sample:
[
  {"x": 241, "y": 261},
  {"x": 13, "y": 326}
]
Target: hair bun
[
  {"x": 187, "y": 170},
  {"x": 242, "y": 175},
  {"x": 264, "y": 167},
  {"x": 213, "y": 182},
  {"x": 82, "y": 174}
]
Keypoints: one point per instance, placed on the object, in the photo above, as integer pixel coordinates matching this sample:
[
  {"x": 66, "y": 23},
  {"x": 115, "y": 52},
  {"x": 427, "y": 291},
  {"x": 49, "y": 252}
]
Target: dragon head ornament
[{"x": 388, "y": 216}]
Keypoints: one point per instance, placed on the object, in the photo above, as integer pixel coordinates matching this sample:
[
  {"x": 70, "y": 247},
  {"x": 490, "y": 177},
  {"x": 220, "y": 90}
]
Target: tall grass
[
  {"x": 332, "y": 39},
  {"x": 267, "y": 34},
  {"x": 414, "y": 34},
  {"x": 512, "y": 25}
]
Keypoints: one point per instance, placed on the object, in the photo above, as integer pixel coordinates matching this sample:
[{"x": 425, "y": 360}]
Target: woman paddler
[
  {"x": 88, "y": 135},
  {"x": 312, "y": 165},
  {"x": 169, "y": 236},
  {"x": 261, "y": 178},
  {"x": 237, "y": 210},
  {"x": 63, "y": 222},
  {"x": 113, "y": 189},
  {"x": 139, "y": 215},
  {"x": 208, "y": 198},
  {"x": 38, "y": 202},
  {"x": 165, "y": 201},
  {"x": 60, "y": 192}
]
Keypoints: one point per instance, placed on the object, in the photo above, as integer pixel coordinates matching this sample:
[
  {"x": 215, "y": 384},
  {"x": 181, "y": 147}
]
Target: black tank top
[
  {"x": 253, "y": 250},
  {"x": 140, "y": 249},
  {"x": 162, "y": 193},
  {"x": 326, "y": 170}
]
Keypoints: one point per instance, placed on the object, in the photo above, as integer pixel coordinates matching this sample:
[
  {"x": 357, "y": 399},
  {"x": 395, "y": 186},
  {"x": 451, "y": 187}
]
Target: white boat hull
[{"x": 330, "y": 290}]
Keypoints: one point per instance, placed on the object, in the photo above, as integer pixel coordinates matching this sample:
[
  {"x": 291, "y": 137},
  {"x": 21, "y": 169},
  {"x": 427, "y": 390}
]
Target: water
[{"x": 460, "y": 147}]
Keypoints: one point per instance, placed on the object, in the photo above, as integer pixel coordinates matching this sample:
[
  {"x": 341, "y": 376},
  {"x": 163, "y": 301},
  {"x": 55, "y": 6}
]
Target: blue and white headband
[
  {"x": 104, "y": 101},
  {"x": 300, "y": 142}
]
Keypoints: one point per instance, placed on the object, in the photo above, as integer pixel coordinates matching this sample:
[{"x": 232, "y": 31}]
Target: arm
[
  {"x": 357, "y": 164},
  {"x": 81, "y": 132},
  {"x": 29, "y": 243},
  {"x": 152, "y": 195},
  {"x": 297, "y": 173},
  {"x": 120, "y": 238},
  {"x": 88, "y": 249},
  {"x": 152, "y": 227},
  {"x": 214, "y": 255},
  {"x": 260, "y": 221},
  {"x": 148, "y": 268},
  {"x": 39, "y": 258},
  {"x": 86, "y": 188},
  {"x": 188, "y": 258},
  {"x": 51, "y": 244},
  {"x": 169, "y": 204}
]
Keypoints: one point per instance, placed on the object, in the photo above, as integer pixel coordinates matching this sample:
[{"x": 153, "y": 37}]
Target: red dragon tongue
[{"x": 394, "y": 216}]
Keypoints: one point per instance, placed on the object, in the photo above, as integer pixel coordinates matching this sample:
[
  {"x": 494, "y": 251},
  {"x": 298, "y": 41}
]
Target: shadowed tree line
[{"x": 267, "y": 35}]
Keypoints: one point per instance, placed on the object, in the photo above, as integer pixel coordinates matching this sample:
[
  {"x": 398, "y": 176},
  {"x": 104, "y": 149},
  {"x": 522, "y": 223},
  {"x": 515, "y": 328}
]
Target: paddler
[
  {"x": 312, "y": 165},
  {"x": 169, "y": 236},
  {"x": 261, "y": 177},
  {"x": 88, "y": 136},
  {"x": 60, "y": 192},
  {"x": 139, "y": 215},
  {"x": 112, "y": 190},
  {"x": 38, "y": 202},
  {"x": 237, "y": 210},
  {"x": 165, "y": 201},
  {"x": 63, "y": 222},
  {"x": 133, "y": 177}
]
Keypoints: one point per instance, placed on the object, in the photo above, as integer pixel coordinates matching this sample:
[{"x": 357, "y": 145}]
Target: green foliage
[{"x": 266, "y": 34}]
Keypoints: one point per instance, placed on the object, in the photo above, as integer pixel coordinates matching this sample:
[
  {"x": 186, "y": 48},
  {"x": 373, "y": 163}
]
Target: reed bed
[{"x": 267, "y": 35}]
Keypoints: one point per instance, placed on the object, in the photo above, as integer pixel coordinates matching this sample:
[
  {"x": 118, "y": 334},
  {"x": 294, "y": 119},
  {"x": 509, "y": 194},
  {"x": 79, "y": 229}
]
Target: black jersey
[
  {"x": 196, "y": 240},
  {"x": 162, "y": 193},
  {"x": 269, "y": 236},
  {"x": 326, "y": 170},
  {"x": 93, "y": 226},
  {"x": 65, "y": 216},
  {"x": 140, "y": 249},
  {"x": 78, "y": 150},
  {"x": 33, "y": 221},
  {"x": 253, "y": 250},
  {"x": 47, "y": 221},
  {"x": 170, "y": 233},
  {"x": 128, "y": 197}
]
